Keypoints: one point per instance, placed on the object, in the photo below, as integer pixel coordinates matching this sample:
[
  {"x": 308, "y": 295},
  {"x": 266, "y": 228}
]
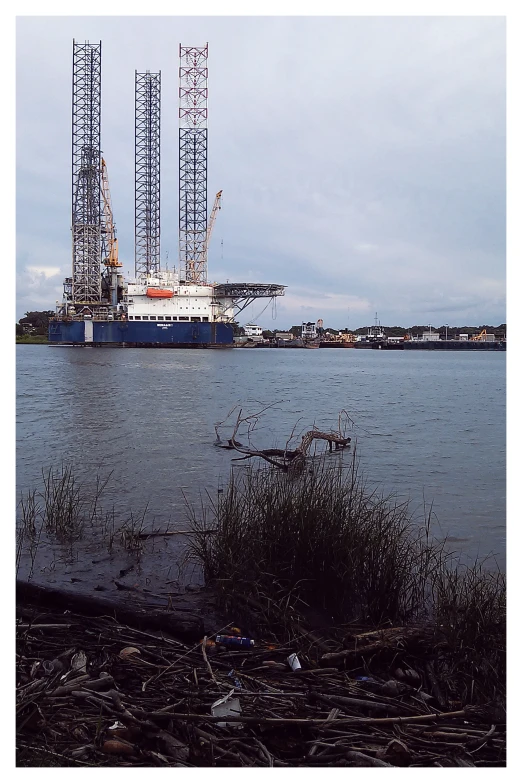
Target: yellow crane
[
  {"x": 481, "y": 336},
  {"x": 109, "y": 228},
  {"x": 217, "y": 205}
]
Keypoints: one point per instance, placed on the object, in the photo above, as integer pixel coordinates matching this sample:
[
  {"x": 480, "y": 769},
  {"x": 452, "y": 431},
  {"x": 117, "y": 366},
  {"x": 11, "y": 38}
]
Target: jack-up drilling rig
[{"x": 161, "y": 307}]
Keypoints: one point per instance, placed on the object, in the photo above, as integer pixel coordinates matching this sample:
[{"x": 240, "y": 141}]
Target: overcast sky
[{"x": 362, "y": 159}]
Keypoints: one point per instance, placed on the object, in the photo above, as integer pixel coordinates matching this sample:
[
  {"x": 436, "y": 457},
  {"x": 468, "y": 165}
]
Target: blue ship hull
[{"x": 131, "y": 334}]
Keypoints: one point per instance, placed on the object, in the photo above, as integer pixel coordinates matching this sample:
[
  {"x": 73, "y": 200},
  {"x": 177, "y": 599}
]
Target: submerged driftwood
[
  {"x": 285, "y": 459},
  {"x": 293, "y": 458}
]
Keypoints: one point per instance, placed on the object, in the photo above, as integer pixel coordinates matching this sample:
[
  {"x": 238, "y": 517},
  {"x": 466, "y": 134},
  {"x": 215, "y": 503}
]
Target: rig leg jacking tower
[
  {"x": 193, "y": 137},
  {"x": 147, "y": 175},
  {"x": 86, "y": 192}
]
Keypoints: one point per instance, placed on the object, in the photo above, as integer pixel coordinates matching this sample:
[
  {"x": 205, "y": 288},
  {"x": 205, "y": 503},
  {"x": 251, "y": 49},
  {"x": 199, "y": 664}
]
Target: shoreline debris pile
[{"x": 91, "y": 691}]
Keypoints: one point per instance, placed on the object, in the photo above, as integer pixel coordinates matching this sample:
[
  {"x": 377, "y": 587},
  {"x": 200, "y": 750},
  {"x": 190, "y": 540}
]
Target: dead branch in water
[{"x": 286, "y": 458}]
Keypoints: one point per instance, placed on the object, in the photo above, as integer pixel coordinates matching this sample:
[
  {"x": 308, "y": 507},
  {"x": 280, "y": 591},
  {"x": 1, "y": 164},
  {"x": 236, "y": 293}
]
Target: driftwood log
[
  {"x": 181, "y": 620},
  {"x": 401, "y": 638},
  {"x": 294, "y": 459}
]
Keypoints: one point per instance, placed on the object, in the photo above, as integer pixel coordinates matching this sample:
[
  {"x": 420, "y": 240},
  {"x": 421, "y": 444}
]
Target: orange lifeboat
[{"x": 159, "y": 293}]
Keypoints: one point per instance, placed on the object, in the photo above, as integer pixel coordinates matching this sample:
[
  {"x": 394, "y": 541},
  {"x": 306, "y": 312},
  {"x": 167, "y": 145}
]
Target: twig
[
  {"x": 158, "y": 533},
  {"x": 309, "y": 721},
  {"x": 70, "y": 759},
  {"x": 332, "y": 716},
  {"x": 204, "y": 652}
]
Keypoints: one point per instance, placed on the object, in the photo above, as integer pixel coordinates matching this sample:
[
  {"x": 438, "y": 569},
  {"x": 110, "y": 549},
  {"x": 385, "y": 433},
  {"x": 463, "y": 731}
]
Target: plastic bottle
[{"x": 234, "y": 641}]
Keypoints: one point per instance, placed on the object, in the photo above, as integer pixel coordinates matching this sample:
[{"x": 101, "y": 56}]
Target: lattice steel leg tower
[
  {"x": 193, "y": 94},
  {"x": 147, "y": 175},
  {"x": 86, "y": 212}
]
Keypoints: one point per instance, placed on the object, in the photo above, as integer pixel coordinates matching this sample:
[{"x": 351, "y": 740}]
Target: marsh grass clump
[
  {"x": 63, "y": 508},
  {"x": 130, "y": 533},
  {"x": 64, "y": 503},
  {"x": 470, "y": 610},
  {"x": 323, "y": 541},
  {"x": 321, "y": 535}
]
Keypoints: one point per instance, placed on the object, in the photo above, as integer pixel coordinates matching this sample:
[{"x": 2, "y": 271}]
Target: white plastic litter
[
  {"x": 117, "y": 725},
  {"x": 79, "y": 662},
  {"x": 294, "y": 662},
  {"x": 227, "y": 706}
]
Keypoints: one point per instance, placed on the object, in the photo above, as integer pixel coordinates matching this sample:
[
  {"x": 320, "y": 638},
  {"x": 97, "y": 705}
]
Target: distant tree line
[
  {"x": 453, "y": 332},
  {"x": 34, "y": 322}
]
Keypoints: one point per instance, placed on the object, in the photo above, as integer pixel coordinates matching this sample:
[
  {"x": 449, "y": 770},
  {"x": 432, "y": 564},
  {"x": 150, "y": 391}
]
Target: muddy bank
[{"x": 189, "y": 615}]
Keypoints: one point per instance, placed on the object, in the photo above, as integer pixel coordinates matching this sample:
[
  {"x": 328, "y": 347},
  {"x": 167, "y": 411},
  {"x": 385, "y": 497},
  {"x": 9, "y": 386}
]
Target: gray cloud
[{"x": 362, "y": 159}]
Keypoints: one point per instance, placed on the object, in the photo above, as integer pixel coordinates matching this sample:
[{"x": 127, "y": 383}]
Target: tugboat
[{"x": 374, "y": 338}]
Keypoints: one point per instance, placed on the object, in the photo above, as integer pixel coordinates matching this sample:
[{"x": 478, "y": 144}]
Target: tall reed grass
[
  {"x": 325, "y": 540},
  {"x": 354, "y": 553},
  {"x": 63, "y": 508},
  {"x": 470, "y": 610}
]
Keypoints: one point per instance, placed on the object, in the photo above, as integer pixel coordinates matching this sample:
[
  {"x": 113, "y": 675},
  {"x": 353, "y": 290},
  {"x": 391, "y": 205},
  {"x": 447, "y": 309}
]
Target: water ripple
[{"x": 148, "y": 416}]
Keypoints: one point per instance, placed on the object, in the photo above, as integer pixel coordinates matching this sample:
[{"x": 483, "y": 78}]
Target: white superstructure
[
  {"x": 308, "y": 330},
  {"x": 165, "y": 298},
  {"x": 252, "y": 330}
]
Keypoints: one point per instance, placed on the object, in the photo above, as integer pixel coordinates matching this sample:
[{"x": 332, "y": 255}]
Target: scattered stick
[
  {"x": 192, "y": 717},
  {"x": 164, "y": 533}
]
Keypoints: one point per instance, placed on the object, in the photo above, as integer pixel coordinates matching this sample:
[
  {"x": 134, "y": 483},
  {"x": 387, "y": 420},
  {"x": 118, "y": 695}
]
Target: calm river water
[{"x": 430, "y": 426}]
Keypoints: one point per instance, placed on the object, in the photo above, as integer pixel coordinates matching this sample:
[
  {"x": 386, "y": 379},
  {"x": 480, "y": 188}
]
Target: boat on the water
[{"x": 373, "y": 338}]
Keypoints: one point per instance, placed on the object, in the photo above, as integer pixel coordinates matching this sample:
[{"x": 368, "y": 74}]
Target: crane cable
[{"x": 262, "y": 311}]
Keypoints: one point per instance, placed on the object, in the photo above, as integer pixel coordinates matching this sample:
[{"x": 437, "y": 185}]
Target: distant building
[
  {"x": 429, "y": 336},
  {"x": 251, "y": 330},
  {"x": 308, "y": 330},
  {"x": 285, "y": 336},
  {"x": 463, "y": 336}
]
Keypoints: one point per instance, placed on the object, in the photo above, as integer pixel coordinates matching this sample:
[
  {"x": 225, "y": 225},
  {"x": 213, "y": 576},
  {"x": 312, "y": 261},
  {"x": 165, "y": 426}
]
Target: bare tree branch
[{"x": 285, "y": 458}]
